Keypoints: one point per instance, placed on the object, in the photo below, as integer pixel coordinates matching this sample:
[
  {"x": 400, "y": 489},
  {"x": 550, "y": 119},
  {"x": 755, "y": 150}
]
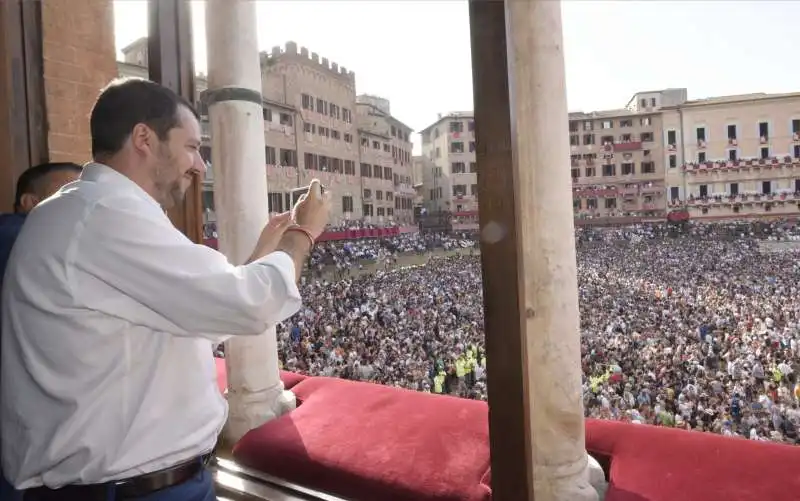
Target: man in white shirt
[{"x": 107, "y": 382}]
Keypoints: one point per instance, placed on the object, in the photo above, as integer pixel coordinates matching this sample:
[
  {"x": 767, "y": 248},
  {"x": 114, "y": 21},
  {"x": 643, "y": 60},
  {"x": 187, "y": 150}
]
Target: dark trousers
[{"x": 198, "y": 488}]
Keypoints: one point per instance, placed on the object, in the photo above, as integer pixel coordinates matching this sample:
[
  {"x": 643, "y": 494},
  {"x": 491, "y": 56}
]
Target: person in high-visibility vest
[
  {"x": 438, "y": 381},
  {"x": 460, "y": 373},
  {"x": 460, "y": 368},
  {"x": 468, "y": 372}
]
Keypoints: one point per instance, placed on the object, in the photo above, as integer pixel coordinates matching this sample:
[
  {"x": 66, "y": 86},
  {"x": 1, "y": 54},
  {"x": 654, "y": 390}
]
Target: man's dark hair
[
  {"x": 31, "y": 179},
  {"x": 125, "y": 103}
]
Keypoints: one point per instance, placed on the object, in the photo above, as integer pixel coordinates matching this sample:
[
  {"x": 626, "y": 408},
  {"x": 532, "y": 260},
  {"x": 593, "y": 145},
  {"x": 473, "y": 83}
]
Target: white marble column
[
  {"x": 539, "y": 128},
  {"x": 255, "y": 391}
]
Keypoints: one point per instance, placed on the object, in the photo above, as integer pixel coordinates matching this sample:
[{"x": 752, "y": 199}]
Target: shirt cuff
[{"x": 284, "y": 272}]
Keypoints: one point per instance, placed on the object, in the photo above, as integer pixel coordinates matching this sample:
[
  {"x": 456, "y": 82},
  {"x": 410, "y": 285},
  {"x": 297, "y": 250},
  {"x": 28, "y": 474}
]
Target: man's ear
[
  {"x": 28, "y": 201},
  {"x": 141, "y": 138}
]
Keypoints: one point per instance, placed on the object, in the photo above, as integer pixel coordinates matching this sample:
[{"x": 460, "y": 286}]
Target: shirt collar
[{"x": 101, "y": 173}]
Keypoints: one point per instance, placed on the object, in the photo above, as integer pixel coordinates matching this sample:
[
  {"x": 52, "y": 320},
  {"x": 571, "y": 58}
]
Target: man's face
[
  {"x": 46, "y": 187},
  {"x": 178, "y": 160}
]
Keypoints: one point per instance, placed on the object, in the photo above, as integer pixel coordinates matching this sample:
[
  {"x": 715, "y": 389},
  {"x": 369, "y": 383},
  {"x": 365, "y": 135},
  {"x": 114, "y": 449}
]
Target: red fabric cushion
[
  {"x": 222, "y": 375},
  {"x": 289, "y": 378},
  {"x": 370, "y": 442},
  {"x": 650, "y": 463}
]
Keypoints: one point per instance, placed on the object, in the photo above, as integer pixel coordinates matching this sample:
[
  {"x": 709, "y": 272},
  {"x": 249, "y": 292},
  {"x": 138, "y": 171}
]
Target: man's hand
[
  {"x": 271, "y": 235},
  {"x": 313, "y": 210}
]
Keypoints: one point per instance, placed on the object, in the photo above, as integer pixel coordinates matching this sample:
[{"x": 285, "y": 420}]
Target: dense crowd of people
[
  {"x": 210, "y": 229},
  {"x": 345, "y": 256},
  {"x": 693, "y": 327}
]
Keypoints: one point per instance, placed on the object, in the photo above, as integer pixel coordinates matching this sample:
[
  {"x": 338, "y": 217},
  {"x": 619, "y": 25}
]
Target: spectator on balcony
[
  {"x": 108, "y": 387},
  {"x": 33, "y": 186}
]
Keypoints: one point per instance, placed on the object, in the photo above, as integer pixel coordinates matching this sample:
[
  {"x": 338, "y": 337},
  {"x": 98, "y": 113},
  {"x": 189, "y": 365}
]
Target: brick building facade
[
  {"x": 79, "y": 60},
  {"x": 315, "y": 125},
  {"x": 55, "y": 57}
]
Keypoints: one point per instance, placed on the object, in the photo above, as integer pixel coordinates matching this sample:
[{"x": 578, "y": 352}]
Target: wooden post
[
  {"x": 238, "y": 157},
  {"x": 23, "y": 126},
  {"x": 528, "y": 254},
  {"x": 510, "y": 443},
  {"x": 171, "y": 63}
]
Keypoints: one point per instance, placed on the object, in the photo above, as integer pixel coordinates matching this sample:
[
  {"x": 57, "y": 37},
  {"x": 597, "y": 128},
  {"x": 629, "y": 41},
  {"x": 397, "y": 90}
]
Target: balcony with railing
[
  {"x": 627, "y": 142},
  {"x": 743, "y": 204},
  {"x": 745, "y": 198},
  {"x": 596, "y": 191},
  {"x": 649, "y": 189},
  {"x": 623, "y": 146},
  {"x": 785, "y": 166}
]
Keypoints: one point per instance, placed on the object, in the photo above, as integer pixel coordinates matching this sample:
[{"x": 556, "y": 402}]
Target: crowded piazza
[
  {"x": 256, "y": 251},
  {"x": 691, "y": 326}
]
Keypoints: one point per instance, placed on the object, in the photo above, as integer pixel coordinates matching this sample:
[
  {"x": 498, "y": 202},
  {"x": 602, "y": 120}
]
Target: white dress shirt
[{"x": 109, "y": 314}]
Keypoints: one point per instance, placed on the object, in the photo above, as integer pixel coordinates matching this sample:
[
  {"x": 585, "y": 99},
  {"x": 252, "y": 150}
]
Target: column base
[
  {"x": 571, "y": 482},
  {"x": 597, "y": 478},
  {"x": 249, "y": 410}
]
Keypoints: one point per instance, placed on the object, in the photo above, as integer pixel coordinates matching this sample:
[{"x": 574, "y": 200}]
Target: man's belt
[{"x": 129, "y": 488}]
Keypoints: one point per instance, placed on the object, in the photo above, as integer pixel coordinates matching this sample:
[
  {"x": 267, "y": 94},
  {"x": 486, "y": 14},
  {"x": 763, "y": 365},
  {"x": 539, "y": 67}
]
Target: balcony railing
[
  {"x": 594, "y": 192},
  {"x": 743, "y": 164},
  {"x": 627, "y": 146},
  {"x": 750, "y": 198}
]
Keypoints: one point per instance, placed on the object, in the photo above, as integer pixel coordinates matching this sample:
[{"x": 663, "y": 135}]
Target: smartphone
[{"x": 298, "y": 192}]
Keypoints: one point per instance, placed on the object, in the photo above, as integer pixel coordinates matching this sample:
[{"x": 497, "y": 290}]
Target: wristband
[{"x": 305, "y": 232}]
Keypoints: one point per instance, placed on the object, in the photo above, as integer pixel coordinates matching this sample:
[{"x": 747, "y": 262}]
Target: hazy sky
[{"x": 416, "y": 52}]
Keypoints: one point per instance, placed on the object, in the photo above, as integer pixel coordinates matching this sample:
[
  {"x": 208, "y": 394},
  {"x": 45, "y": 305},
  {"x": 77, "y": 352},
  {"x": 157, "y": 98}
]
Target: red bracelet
[{"x": 304, "y": 231}]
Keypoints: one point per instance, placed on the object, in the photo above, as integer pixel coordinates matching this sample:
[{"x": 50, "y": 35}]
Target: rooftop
[
  {"x": 377, "y": 111},
  {"x": 453, "y": 115},
  {"x": 579, "y": 115},
  {"x": 737, "y": 98}
]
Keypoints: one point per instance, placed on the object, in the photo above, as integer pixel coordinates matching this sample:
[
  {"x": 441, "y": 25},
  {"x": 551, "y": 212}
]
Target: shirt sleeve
[{"x": 170, "y": 284}]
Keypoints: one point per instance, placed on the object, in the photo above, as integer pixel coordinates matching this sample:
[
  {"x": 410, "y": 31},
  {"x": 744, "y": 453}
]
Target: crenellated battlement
[{"x": 292, "y": 50}]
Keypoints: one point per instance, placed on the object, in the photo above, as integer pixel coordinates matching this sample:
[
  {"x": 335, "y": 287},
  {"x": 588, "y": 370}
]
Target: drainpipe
[
  {"x": 255, "y": 391},
  {"x": 357, "y": 139},
  {"x": 683, "y": 154}
]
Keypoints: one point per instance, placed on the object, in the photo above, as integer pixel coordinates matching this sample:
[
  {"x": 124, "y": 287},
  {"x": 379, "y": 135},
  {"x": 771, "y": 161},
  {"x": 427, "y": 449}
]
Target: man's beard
[{"x": 167, "y": 181}]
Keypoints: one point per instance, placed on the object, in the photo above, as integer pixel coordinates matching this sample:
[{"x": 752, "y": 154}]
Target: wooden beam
[
  {"x": 512, "y": 467},
  {"x": 23, "y": 124},
  {"x": 33, "y": 45},
  {"x": 171, "y": 63}
]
